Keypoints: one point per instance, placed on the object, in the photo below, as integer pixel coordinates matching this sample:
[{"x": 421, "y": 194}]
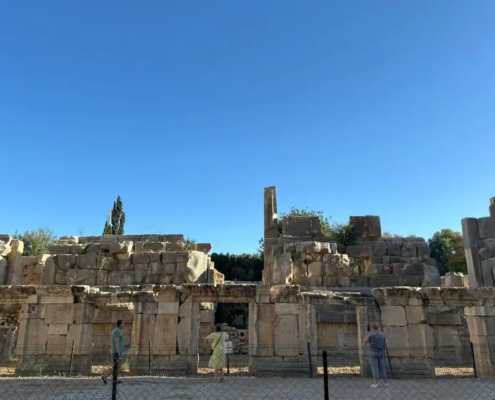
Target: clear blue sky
[{"x": 188, "y": 109}]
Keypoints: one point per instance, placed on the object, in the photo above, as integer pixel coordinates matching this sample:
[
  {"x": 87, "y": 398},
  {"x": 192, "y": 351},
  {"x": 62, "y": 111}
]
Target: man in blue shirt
[
  {"x": 377, "y": 342},
  {"x": 117, "y": 348}
]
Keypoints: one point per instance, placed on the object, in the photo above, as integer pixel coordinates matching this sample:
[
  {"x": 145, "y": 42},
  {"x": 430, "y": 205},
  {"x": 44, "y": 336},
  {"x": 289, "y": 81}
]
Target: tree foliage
[
  {"x": 36, "y": 242},
  {"x": 447, "y": 248},
  {"x": 240, "y": 267},
  {"x": 114, "y": 225},
  {"x": 343, "y": 234}
]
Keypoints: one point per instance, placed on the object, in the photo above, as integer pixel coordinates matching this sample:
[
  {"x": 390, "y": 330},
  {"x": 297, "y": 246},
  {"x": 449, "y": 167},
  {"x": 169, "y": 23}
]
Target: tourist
[
  {"x": 217, "y": 360},
  {"x": 377, "y": 342},
  {"x": 117, "y": 348}
]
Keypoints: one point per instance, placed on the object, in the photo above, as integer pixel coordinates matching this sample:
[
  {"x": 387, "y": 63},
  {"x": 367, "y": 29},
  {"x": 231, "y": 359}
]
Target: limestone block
[
  {"x": 286, "y": 335},
  {"x": 81, "y": 277},
  {"x": 81, "y": 337},
  {"x": 372, "y": 227},
  {"x": 66, "y": 261},
  {"x": 360, "y": 281},
  {"x": 397, "y": 339},
  {"x": 301, "y": 226},
  {"x": 158, "y": 247},
  {"x": 481, "y": 311},
  {"x": 441, "y": 315},
  {"x": 156, "y": 268},
  {"x": 415, "y": 314},
  {"x": 148, "y": 308},
  {"x": 3, "y": 271},
  {"x": 431, "y": 276},
  {"x": 59, "y": 314},
  {"x": 309, "y": 247},
  {"x": 282, "y": 268},
  {"x": 77, "y": 249},
  {"x": 35, "y": 336},
  {"x": 331, "y": 281},
  {"x": 175, "y": 257},
  {"x": 87, "y": 261},
  {"x": 59, "y": 248},
  {"x": 487, "y": 267},
  {"x": 413, "y": 280},
  {"x": 416, "y": 269},
  {"x": 170, "y": 268},
  {"x": 120, "y": 278},
  {"x": 206, "y": 316},
  {"x": 409, "y": 250},
  {"x": 165, "y": 334},
  {"x": 358, "y": 223},
  {"x": 344, "y": 281},
  {"x": 393, "y": 316},
  {"x": 486, "y": 227},
  {"x": 394, "y": 250},
  {"x": 57, "y": 329},
  {"x": 315, "y": 280},
  {"x": 423, "y": 250},
  {"x": 359, "y": 251},
  {"x": 287, "y": 308},
  {"x": 60, "y": 278},
  {"x": 316, "y": 268},
  {"x": 14, "y": 261},
  {"x": 386, "y": 280},
  {"x": 122, "y": 247},
  {"x": 166, "y": 279},
  {"x": 326, "y": 248},
  {"x": 140, "y": 258},
  {"x": 421, "y": 339},
  {"x": 480, "y": 326},
  {"x": 83, "y": 313},
  {"x": 380, "y": 251}
]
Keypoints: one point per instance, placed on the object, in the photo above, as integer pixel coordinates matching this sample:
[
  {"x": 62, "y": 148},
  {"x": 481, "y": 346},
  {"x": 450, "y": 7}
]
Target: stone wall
[
  {"x": 479, "y": 245},
  {"x": 10, "y": 258},
  {"x": 372, "y": 261}
]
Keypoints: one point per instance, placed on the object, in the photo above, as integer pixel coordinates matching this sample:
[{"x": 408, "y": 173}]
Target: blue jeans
[{"x": 378, "y": 367}]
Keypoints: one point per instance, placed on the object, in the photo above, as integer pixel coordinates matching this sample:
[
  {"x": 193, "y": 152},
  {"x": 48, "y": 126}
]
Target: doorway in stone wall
[{"x": 234, "y": 320}]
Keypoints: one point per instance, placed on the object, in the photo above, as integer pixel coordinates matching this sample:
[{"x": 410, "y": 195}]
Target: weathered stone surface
[
  {"x": 380, "y": 251},
  {"x": 487, "y": 268},
  {"x": 316, "y": 268},
  {"x": 59, "y": 314},
  {"x": 301, "y": 226},
  {"x": 77, "y": 249},
  {"x": 120, "y": 278},
  {"x": 415, "y": 314},
  {"x": 81, "y": 277},
  {"x": 373, "y": 227},
  {"x": 66, "y": 261},
  {"x": 286, "y": 335},
  {"x": 282, "y": 267},
  {"x": 409, "y": 250},
  {"x": 87, "y": 261},
  {"x": 122, "y": 247},
  {"x": 486, "y": 227},
  {"x": 331, "y": 281},
  {"x": 359, "y": 251},
  {"x": 424, "y": 250},
  {"x": 394, "y": 250},
  {"x": 358, "y": 224},
  {"x": 307, "y": 247},
  {"x": 203, "y": 247},
  {"x": 344, "y": 281},
  {"x": 393, "y": 316},
  {"x": 140, "y": 258},
  {"x": 3, "y": 270},
  {"x": 175, "y": 257},
  {"x": 316, "y": 280},
  {"x": 196, "y": 266},
  {"x": 431, "y": 276}
]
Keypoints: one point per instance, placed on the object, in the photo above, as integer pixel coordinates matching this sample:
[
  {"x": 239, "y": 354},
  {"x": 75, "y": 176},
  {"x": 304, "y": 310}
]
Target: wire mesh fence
[{"x": 275, "y": 373}]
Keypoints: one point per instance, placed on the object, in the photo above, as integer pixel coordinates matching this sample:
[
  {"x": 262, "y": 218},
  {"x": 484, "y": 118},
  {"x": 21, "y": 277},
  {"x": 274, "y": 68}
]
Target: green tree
[
  {"x": 114, "y": 224},
  {"x": 36, "y": 242},
  {"x": 447, "y": 248},
  {"x": 240, "y": 267}
]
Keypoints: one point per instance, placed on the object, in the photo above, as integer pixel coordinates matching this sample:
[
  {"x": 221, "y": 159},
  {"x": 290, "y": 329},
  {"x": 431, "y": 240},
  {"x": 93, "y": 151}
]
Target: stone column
[
  {"x": 470, "y": 233},
  {"x": 14, "y": 262},
  {"x": 188, "y": 333},
  {"x": 481, "y": 324},
  {"x": 492, "y": 207},
  {"x": 270, "y": 232}
]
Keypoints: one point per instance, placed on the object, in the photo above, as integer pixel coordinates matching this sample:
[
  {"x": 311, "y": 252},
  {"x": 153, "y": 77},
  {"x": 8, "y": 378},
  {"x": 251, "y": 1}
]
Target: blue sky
[{"x": 188, "y": 109}]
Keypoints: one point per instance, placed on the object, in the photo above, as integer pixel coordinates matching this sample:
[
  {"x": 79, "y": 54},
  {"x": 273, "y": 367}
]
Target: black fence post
[
  {"x": 474, "y": 361},
  {"x": 389, "y": 362},
  {"x": 115, "y": 369},
  {"x": 228, "y": 364},
  {"x": 325, "y": 376},
  {"x": 310, "y": 361},
  {"x": 149, "y": 358},
  {"x": 71, "y": 359}
]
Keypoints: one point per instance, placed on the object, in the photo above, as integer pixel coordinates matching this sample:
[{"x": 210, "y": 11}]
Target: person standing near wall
[
  {"x": 117, "y": 348},
  {"x": 217, "y": 360},
  {"x": 376, "y": 341}
]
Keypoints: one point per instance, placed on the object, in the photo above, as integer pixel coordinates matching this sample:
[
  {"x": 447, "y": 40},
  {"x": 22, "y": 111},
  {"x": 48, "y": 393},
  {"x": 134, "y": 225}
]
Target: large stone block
[
  {"x": 165, "y": 335},
  {"x": 122, "y": 247},
  {"x": 415, "y": 314},
  {"x": 3, "y": 271},
  {"x": 66, "y": 261},
  {"x": 168, "y": 308},
  {"x": 431, "y": 276},
  {"x": 57, "y": 329},
  {"x": 286, "y": 335},
  {"x": 310, "y": 247},
  {"x": 487, "y": 267},
  {"x": 81, "y": 277},
  {"x": 120, "y": 278},
  {"x": 444, "y": 315},
  {"x": 301, "y": 226},
  {"x": 373, "y": 227},
  {"x": 486, "y": 227},
  {"x": 421, "y": 340},
  {"x": 359, "y": 251},
  {"x": 59, "y": 314},
  {"x": 393, "y": 316},
  {"x": 140, "y": 258},
  {"x": 87, "y": 261},
  {"x": 316, "y": 268},
  {"x": 397, "y": 339},
  {"x": 282, "y": 268},
  {"x": 358, "y": 225}
]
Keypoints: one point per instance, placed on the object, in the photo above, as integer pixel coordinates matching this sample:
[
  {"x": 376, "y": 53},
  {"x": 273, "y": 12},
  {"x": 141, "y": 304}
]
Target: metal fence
[{"x": 439, "y": 373}]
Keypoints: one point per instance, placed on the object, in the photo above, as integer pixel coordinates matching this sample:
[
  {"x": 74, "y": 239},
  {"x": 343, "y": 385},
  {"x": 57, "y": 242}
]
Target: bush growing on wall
[
  {"x": 240, "y": 267},
  {"x": 36, "y": 242}
]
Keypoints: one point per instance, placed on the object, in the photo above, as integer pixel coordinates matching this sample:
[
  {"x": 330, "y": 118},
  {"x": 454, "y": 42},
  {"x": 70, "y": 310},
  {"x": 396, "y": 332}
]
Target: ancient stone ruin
[{"x": 317, "y": 294}]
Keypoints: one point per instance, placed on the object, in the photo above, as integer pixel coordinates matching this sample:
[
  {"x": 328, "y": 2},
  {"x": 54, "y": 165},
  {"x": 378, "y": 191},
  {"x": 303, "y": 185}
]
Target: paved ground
[{"x": 244, "y": 388}]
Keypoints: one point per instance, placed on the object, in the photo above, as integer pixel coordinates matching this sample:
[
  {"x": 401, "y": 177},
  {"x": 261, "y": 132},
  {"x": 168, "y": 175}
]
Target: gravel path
[{"x": 243, "y": 388}]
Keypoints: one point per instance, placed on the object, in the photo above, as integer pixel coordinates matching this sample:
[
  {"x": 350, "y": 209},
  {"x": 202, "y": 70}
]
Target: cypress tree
[{"x": 115, "y": 223}]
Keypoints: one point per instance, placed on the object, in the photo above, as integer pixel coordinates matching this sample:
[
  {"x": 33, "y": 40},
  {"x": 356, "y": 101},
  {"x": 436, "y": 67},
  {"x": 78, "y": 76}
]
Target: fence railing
[{"x": 287, "y": 373}]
